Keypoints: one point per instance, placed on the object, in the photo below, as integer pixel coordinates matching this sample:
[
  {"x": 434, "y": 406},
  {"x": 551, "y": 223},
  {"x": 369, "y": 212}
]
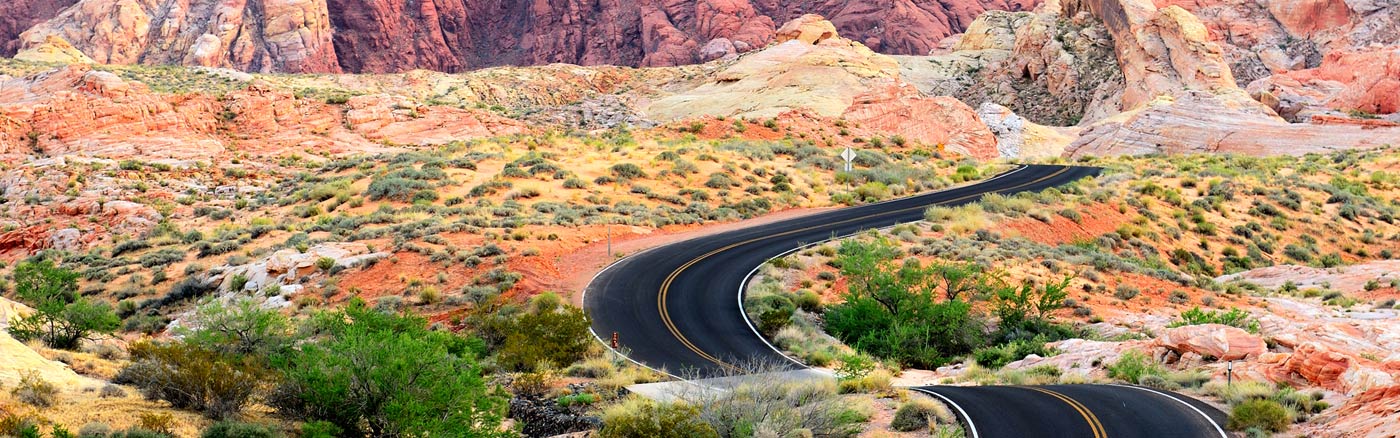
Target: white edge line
[
  {"x": 743, "y": 285},
  {"x": 971, "y": 428},
  {"x": 583, "y": 296},
  {"x": 1194, "y": 408}
]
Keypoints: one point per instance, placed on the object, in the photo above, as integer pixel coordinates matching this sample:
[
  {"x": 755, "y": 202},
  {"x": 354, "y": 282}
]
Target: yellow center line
[
  {"x": 666, "y": 285},
  {"x": 1089, "y": 416}
]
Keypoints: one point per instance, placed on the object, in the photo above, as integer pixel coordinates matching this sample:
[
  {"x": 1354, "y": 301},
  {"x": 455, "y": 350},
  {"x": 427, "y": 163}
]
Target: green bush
[
  {"x": 627, "y": 171},
  {"x": 552, "y": 332},
  {"x": 809, "y": 301},
  {"x": 393, "y": 188},
  {"x": 1234, "y": 318},
  {"x": 774, "y": 313},
  {"x": 998, "y": 356},
  {"x": 1132, "y": 366},
  {"x": 61, "y": 319},
  {"x": 891, "y": 309},
  {"x": 641, "y": 418},
  {"x": 320, "y": 429},
  {"x": 241, "y": 327},
  {"x": 372, "y": 372},
  {"x": 234, "y": 429},
  {"x": 1268, "y": 415}
]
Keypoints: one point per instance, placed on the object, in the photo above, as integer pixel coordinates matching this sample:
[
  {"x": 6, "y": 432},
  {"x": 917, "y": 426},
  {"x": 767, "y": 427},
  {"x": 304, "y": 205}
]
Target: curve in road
[
  {"x": 1089, "y": 411},
  {"x": 678, "y": 309},
  {"x": 674, "y": 308}
]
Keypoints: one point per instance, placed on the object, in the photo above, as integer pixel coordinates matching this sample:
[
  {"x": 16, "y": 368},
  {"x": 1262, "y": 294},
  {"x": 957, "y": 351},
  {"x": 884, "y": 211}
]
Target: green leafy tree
[
  {"x": 374, "y": 374},
  {"x": 892, "y": 309},
  {"x": 238, "y": 328},
  {"x": 61, "y": 319},
  {"x": 1029, "y": 304}
]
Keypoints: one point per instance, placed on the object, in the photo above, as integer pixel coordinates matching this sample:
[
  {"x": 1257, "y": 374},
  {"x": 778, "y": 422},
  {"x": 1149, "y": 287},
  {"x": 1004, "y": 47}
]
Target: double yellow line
[
  {"x": 666, "y": 285},
  {"x": 1094, "y": 424}
]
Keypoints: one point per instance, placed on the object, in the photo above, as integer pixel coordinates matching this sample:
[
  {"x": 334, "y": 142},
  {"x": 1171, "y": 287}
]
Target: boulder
[
  {"x": 1219, "y": 341},
  {"x": 810, "y": 29}
]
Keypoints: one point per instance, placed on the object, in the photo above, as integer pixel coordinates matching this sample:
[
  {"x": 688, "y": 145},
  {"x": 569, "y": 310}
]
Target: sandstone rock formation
[
  {"x": 1349, "y": 278},
  {"x": 84, "y": 112},
  {"x": 79, "y": 111},
  {"x": 1211, "y": 340},
  {"x": 1199, "y": 122},
  {"x": 16, "y": 16},
  {"x": 458, "y": 35},
  {"x": 815, "y": 70},
  {"x": 821, "y": 74},
  {"x": 1363, "y": 80},
  {"x": 1046, "y": 68},
  {"x": 943, "y": 122},
  {"x": 250, "y": 35},
  {"x": 53, "y": 50}
]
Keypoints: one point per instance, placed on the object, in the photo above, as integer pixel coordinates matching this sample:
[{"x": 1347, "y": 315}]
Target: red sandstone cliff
[{"x": 457, "y": 35}]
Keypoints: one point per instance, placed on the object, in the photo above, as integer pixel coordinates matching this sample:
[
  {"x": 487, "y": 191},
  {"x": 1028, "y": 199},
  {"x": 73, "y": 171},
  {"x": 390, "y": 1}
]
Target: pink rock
[{"x": 1221, "y": 342}]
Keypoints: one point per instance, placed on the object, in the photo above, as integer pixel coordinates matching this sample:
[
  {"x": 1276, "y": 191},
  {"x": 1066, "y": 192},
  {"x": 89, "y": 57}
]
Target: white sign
[{"x": 848, "y": 155}]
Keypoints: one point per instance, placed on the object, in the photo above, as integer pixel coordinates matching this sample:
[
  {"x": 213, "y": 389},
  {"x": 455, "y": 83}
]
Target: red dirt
[{"x": 1096, "y": 220}]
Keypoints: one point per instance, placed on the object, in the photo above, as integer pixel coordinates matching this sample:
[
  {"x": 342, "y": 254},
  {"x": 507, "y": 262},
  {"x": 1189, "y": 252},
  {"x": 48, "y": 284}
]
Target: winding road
[{"x": 677, "y": 309}]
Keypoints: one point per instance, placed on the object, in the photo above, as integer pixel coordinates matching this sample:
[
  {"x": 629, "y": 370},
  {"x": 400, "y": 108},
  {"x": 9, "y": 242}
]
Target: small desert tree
[
  {"x": 376, "y": 374},
  {"x": 61, "y": 319}
]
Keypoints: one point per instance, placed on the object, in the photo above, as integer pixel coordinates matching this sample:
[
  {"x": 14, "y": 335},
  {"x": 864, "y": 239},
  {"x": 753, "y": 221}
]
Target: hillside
[{"x": 279, "y": 191}]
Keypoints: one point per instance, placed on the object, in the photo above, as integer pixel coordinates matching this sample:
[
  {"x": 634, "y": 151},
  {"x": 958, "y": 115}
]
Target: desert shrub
[
  {"x": 191, "y": 377},
  {"x": 1126, "y": 292},
  {"x": 388, "y": 375},
  {"x": 551, "y": 332},
  {"x": 872, "y": 191},
  {"x": 33, "y": 390},
  {"x": 914, "y": 415},
  {"x": 627, "y": 171},
  {"x": 998, "y": 356},
  {"x": 1132, "y": 366},
  {"x": 1178, "y": 297},
  {"x": 638, "y": 417},
  {"x": 321, "y": 429},
  {"x": 62, "y": 318},
  {"x": 111, "y": 391},
  {"x": 774, "y": 312},
  {"x": 719, "y": 180},
  {"x": 1234, "y": 318},
  {"x": 234, "y": 429},
  {"x": 241, "y": 327},
  {"x": 94, "y": 430},
  {"x": 809, "y": 301},
  {"x": 397, "y": 189},
  {"x": 746, "y": 406},
  {"x": 1268, "y": 415}
]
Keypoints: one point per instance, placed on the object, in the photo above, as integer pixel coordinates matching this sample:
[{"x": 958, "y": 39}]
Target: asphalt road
[
  {"x": 1070, "y": 411},
  {"x": 676, "y": 307}
]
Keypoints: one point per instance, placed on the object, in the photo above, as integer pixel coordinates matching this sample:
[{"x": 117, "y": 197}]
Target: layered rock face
[
  {"x": 457, "y": 35},
  {"x": 76, "y": 111},
  {"x": 250, "y": 35}
]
